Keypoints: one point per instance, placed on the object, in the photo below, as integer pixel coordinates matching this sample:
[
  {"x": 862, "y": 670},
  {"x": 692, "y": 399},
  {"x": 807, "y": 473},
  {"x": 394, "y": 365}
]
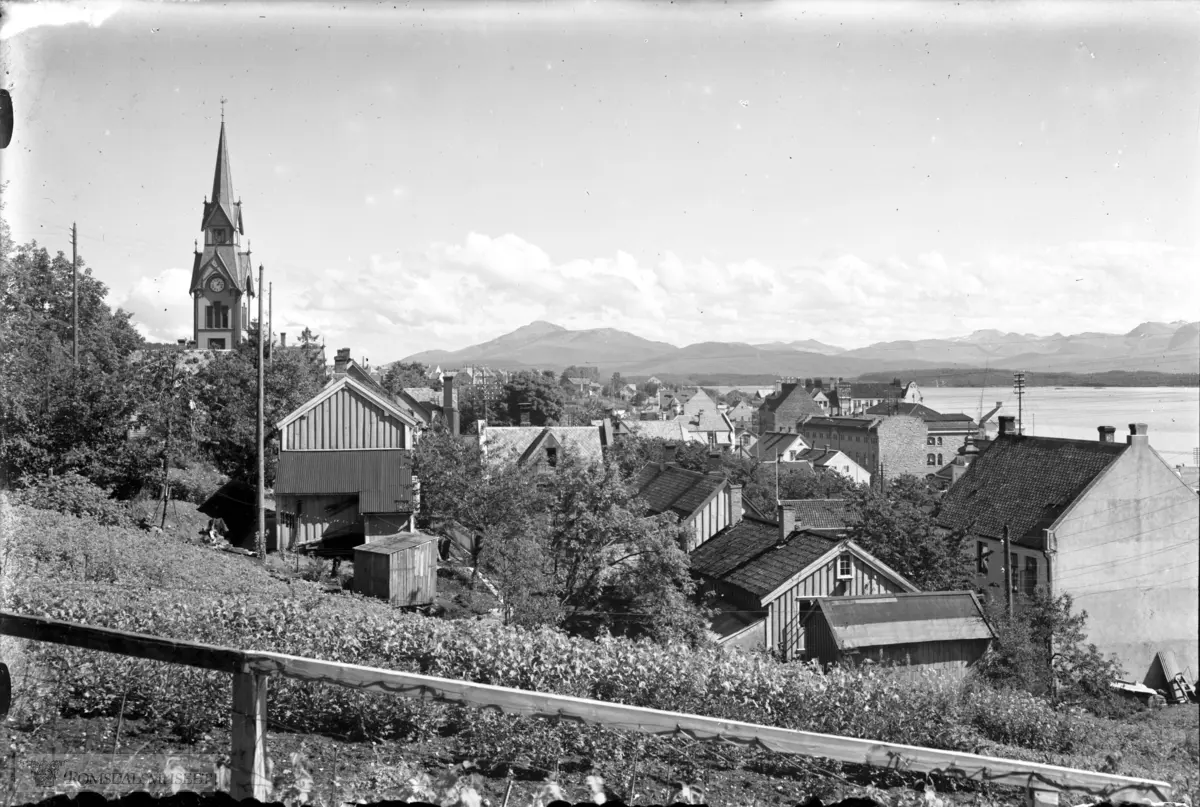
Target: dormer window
[
  {"x": 552, "y": 457},
  {"x": 219, "y": 235}
]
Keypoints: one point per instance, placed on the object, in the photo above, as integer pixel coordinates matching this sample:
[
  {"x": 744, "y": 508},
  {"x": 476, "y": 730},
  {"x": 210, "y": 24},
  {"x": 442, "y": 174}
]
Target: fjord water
[{"x": 1172, "y": 413}]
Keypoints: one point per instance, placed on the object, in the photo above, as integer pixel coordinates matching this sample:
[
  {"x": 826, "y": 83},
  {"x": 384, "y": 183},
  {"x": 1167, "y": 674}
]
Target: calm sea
[{"x": 1172, "y": 413}]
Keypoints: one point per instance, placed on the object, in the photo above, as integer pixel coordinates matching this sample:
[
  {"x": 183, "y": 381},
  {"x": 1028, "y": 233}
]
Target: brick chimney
[
  {"x": 1139, "y": 435},
  {"x": 524, "y": 407},
  {"x": 1107, "y": 434},
  {"x": 282, "y": 339},
  {"x": 1008, "y": 425},
  {"x": 735, "y": 504},
  {"x": 714, "y": 463},
  {"x": 668, "y": 455},
  {"x": 449, "y": 409},
  {"x": 786, "y": 516},
  {"x": 341, "y": 362}
]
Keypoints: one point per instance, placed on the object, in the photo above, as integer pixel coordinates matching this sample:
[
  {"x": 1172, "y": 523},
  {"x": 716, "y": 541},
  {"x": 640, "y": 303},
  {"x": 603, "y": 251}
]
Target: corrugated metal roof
[
  {"x": 395, "y": 543},
  {"x": 382, "y": 478},
  {"x": 904, "y": 619}
]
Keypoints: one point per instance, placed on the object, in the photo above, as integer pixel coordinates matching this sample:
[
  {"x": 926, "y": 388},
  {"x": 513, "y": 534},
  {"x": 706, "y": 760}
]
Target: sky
[{"x": 419, "y": 177}]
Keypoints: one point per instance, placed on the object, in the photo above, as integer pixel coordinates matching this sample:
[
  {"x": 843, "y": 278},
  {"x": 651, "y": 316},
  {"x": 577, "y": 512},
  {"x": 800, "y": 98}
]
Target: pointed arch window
[{"x": 216, "y": 316}]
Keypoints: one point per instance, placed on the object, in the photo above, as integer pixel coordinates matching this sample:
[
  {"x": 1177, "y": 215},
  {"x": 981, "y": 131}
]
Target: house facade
[
  {"x": 781, "y": 410},
  {"x": 705, "y": 503},
  {"x": 775, "y": 447},
  {"x": 345, "y": 468},
  {"x": 945, "y": 433},
  {"x": 855, "y": 398},
  {"x": 891, "y": 445},
  {"x": 1108, "y": 523},
  {"x": 765, "y": 577}
]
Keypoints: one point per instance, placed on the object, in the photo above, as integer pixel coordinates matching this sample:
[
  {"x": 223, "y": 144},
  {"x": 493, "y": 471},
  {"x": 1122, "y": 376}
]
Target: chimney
[
  {"x": 1107, "y": 434},
  {"x": 714, "y": 463},
  {"x": 1139, "y": 434},
  {"x": 449, "y": 410},
  {"x": 786, "y": 515},
  {"x": 778, "y": 386},
  {"x": 668, "y": 455},
  {"x": 341, "y": 362},
  {"x": 735, "y": 504},
  {"x": 1007, "y": 425},
  {"x": 282, "y": 339},
  {"x": 525, "y": 406}
]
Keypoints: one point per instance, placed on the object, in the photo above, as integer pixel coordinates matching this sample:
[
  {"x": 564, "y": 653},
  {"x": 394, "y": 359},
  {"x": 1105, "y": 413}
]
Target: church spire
[{"x": 222, "y": 192}]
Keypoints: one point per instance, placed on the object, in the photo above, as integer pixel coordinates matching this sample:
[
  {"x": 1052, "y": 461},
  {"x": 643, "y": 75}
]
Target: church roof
[
  {"x": 236, "y": 265},
  {"x": 222, "y": 190}
]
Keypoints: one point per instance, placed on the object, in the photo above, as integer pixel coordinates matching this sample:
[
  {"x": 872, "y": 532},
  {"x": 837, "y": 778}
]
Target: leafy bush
[
  {"x": 195, "y": 483},
  {"x": 76, "y": 495},
  {"x": 1015, "y": 717}
]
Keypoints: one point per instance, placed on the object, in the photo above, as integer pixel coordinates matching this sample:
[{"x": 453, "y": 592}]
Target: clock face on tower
[{"x": 217, "y": 284}]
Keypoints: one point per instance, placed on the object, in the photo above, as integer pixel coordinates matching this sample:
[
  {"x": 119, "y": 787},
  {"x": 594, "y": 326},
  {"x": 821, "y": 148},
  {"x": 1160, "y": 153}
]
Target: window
[
  {"x": 929, "y": 440},
  {"x": 930, "y": 459},
  {"x": 552, "y": 457},
  {"x": 794, "y": 454},
  {"x": 982, "y": 555},
  {"x": 939, "y": 441},
  {"x": 1030, "y": 578},
  {"x": 216, "y": 316},
  {"x": 219, "y": 235},
  {"x": 216, "y": 344},
  {"x": 939, "y": 462},
  {"x": 845, "y": 567}
]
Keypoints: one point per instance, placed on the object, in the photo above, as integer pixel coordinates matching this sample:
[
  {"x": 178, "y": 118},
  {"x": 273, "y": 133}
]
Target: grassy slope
[{"x": 75, "y": 568}]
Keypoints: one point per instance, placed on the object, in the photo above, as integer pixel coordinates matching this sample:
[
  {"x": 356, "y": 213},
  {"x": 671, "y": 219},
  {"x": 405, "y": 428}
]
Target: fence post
[
  {"x": 248, "y": 752},
  {"x": 1041, "y": 798}
]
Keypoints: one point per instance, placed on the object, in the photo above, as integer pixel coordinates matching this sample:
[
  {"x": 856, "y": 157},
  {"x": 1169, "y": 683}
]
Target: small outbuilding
[
  {"x": 401, "y": 569},
  {"x": 942, "y": 630}
]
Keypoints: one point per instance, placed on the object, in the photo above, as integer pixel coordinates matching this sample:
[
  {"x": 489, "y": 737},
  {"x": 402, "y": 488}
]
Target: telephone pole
[
  {"x": 270, "y": 319},
  {"x": 261, "y": 540},
  {"x": 1019, "y": 389},
  {"x": 1008, "y": 582},
  {"x": 74, "y": 294}
]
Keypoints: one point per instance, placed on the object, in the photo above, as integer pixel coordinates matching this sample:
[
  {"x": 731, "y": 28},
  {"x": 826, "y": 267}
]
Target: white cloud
[
  {"x": 449, "y": 296},
  {"x": 23, "y": 17}
]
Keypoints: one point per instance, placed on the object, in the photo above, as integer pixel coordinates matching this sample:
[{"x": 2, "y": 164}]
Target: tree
[
  {"x": 650, "y": 389},
  {"x": 899, "y": 526},
  {"x": 1043, "y": 649},
  {"x": 401, "y": 375},
  {"x": 794, "y": 482},
  {"x": 539, "y": 391},
  {"x": 227, "y": 395}
]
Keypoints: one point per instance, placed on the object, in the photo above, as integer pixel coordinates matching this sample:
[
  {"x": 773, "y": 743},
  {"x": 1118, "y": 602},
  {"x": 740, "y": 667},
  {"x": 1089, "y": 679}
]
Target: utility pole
[
  {"x": 270, "y": 319},
  {"x": 1008, "y": 589},
  {"x": 74, "y": 294},
  {"x": 262, "y": 474},
  {"x": 1019, "y": 389}
]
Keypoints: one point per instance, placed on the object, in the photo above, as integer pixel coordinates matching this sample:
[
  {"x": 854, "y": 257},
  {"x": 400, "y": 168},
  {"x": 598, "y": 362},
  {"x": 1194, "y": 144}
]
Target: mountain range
[{"x": 1168, "y": 347}]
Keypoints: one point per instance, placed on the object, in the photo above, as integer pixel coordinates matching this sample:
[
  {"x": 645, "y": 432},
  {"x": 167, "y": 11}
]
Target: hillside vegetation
[{"x": 73, "y": 569}]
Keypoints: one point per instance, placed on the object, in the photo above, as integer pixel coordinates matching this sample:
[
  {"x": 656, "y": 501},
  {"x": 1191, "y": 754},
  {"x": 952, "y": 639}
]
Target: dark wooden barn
[
  {"x": 401, "y": 569},
  {"x": 940, "y": 630}
]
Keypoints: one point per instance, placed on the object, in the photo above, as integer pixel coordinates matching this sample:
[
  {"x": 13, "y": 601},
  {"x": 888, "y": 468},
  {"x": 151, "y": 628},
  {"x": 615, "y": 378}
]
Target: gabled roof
[
  {"x": 699, "y": 400},
  {"x": 1026, "y": 483},
  {"x": 795, "y": 395},
  {"x": 935, "y": 421},
  {"x": 881, "y": 621},
  {"x": 833, "y": 514},
  {"x": 821, "y": 457},
  {"x": 845, "y": 422},
  {"x": 514, "y": 442},
  {"x": 772, "y": 443},
  {"x": 708, "y": 420},
  {"x": 671, "y": 489},
  {"x": 373, "y": 393},
  {"x": 869, "y": 390}
]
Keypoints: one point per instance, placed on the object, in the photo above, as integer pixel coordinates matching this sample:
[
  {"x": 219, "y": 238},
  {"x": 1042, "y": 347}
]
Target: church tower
[{"x": 222, "y": 280}]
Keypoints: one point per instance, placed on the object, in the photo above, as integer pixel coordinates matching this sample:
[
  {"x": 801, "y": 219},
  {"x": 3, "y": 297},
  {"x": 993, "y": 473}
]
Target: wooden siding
[
  {"x": 711, "y": 519},
  {"x": 787, "y": 611},
  {"x": 307, "y": 517},
  {"x": 405, "y": 577},
  {"x": 345, "y": 420},
  {"x": 952, "y": 657}
]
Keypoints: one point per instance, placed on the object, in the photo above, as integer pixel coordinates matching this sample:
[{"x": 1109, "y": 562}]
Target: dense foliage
[
  {"x": 540, "y": 390},
  {"x": 406, "y": 375}
]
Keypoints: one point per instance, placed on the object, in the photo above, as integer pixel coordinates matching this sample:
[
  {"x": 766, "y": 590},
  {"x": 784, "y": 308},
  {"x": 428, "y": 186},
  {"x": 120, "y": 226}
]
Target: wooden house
[
  {"x": 401, "y": 569},
  {"x": 764, "y": 577},
  {"x": 937, "y": 630},
  {"x": 705, "y": 503},
  {"x": 345, "y": 467}
]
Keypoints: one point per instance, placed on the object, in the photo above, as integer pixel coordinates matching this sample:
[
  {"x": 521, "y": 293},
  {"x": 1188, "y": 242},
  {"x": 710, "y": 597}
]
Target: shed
[
  {"x": 943, "y": 630},
  {"x": 401, "y": 569}
]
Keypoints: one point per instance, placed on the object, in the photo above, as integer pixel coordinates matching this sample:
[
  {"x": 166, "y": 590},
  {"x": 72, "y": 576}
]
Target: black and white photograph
[{"x": 515, "y": 404}]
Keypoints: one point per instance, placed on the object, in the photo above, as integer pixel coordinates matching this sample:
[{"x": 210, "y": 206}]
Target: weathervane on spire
[{"x": 223, "y": 109}]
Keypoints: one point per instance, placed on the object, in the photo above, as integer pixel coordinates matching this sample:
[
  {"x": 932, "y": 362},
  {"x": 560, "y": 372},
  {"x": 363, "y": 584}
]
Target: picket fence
[{"x": 251, "y": 670}]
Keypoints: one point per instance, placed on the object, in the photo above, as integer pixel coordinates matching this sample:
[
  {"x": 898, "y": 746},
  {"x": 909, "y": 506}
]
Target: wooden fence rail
[{"x": 251, "y": 670}]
